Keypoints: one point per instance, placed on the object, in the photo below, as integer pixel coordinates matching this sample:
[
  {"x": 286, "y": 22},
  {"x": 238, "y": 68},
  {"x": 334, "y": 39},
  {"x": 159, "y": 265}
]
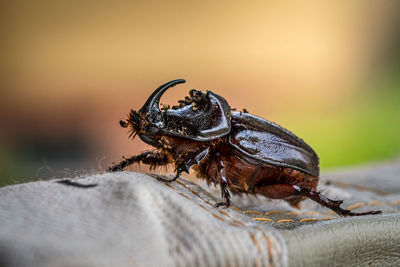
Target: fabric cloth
[{"x": 132, "y": 219}]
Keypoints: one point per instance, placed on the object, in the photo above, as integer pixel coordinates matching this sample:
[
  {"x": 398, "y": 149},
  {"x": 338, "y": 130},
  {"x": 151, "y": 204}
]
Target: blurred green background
[{"x": 327, "y": 71}]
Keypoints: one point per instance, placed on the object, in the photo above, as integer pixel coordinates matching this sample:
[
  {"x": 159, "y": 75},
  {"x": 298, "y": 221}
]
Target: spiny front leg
[
  {"x": 223, "y": 183},
  {"x": 185, "y": 162},
  {"x": 151, "y": 157}
]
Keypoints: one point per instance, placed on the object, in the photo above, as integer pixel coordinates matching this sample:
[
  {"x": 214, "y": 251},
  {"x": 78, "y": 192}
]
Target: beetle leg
[
  {"x": 223, "y": 183},
  {"x": 332, "y": 204},
  {"x": 188, "y": 161},
  {"x": 177, "y": 175},
  {"x": 151, "y": 157},
  {"x": 287, "y": 191}
]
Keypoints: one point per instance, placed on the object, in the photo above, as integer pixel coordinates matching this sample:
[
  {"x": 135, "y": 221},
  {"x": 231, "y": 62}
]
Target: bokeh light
[{"x": 327, "y": 71}]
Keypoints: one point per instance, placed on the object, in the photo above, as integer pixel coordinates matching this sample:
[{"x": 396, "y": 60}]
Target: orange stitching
[
  {"x": 329, "y": 218},
  {"x": 182, "y": 184},
  {"x": 216, "y": 216},
  {"x": 375, "y": 202},
  {"x": 284, "y": 220},
  {"x": 393, "y": 203},
  {"x": 293, "y": 213},
  {"x": 270, "y": 252},
  {"x": 224, "y": 213},
  {"x": 169, "y": 185},
  {"x": 208, "y": 203},
  {"x": 262, "y": 219},
  {"x": 201, "y": 206},
  {"x": 251, "y": 212},
  {"x": 234, "y": 208},
  {"x": 254, "y": 239},
  {"x": 237, "y": 222},
  {"x": 194, "y": 192},
  {"x": 184, "y": 195},
  {"x": 273, "y": 212},
  {"x": 355, "y": 206}
]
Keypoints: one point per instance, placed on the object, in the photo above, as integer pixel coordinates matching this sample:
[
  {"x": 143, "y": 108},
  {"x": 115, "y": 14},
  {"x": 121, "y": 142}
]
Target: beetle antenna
[{"x": 133, "y": 134}]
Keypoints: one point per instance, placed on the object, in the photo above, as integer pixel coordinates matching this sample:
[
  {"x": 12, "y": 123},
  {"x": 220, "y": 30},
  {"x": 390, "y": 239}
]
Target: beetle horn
[{"x": 152, "y": 104}]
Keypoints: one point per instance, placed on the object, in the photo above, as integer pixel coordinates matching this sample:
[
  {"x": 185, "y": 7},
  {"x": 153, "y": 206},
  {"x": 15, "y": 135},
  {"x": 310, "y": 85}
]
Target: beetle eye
[
  {"x": 151, "y": 129},
  {"x": 123, "y": 124}
]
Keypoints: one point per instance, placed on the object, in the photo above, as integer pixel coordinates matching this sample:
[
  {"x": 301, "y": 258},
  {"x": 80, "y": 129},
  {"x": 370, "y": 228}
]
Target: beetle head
[{"x": 148, "y": 121}]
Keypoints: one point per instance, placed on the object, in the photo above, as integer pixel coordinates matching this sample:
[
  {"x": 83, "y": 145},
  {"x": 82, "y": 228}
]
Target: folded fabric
[{"x": 132, "y": 219}]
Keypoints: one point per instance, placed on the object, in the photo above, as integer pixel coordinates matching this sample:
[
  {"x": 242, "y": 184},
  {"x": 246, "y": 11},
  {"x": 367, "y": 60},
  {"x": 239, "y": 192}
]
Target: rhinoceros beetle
[{"x": 239, "y": 151}]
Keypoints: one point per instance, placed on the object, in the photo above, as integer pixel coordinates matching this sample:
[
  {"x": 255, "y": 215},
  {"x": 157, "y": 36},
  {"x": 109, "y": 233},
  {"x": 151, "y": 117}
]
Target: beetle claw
[
  {"x": 225, "y": 204},
  {"x": 337, "y": 202},
  {"x": 345, "y": 213}
]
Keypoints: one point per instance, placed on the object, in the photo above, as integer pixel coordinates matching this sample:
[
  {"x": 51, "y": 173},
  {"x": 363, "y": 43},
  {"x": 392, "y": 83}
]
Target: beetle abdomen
[{"x": 246, "y": 175}]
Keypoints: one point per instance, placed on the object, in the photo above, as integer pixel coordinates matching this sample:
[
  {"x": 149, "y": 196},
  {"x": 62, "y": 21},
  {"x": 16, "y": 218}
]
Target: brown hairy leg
[
  {"x": 150, "y": 157},
  {"x": 155, "y": 158},
  {"x": 223, "y": 183},
  {"x": 184, "y": 163}
]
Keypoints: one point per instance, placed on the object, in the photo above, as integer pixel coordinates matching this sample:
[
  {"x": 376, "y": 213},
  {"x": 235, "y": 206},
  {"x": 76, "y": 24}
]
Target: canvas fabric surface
[{"x": 132, "y": 219}]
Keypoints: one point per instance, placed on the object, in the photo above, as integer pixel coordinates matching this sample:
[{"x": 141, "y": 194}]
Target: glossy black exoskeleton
[{"x": 241, "y": 152}]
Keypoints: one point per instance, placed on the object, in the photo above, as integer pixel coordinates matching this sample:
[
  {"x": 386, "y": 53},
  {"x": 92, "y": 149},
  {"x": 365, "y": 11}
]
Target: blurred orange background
[{"x": 327, "y": 71}]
